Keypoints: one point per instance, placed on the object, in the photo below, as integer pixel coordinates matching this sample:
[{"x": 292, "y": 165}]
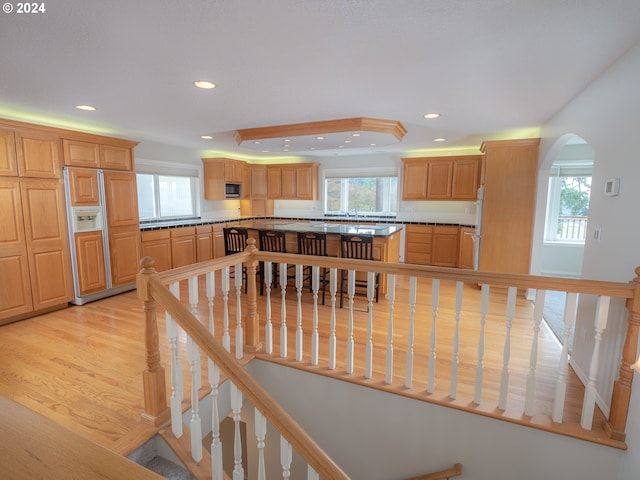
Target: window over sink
[{"x": 362, "y": 192}]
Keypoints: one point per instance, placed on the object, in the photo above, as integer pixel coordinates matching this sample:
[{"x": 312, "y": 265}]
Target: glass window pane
[
  {"x": 333, "y": 194},
  {"x": 146, "y": 203},
  {"x": 369, "y": 195},
  {"x": 175, "y": 196}
]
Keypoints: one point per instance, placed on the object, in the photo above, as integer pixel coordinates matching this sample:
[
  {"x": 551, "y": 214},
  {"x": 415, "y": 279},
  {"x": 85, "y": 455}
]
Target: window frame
[{"x": 345, "y": 174}]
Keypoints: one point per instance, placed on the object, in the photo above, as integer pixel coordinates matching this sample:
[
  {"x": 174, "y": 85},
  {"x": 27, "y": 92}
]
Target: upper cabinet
[
  {"x": 234, "y": 171},
  {"x": 38, "y": 154},
  {"x": 8, "y": 162},
  {"x": 97, "y": 155},
  {"x": 441, "y": 178},
  {"x": 293, "y": 181},
  {"x": 220, "y": 172}
]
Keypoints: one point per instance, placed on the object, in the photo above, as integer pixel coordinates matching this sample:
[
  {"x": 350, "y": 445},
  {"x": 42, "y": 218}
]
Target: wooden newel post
[
  {"x": 252, "y": 319},
  {"x": 155, "y": 391},
  {"x": 621, "y": 396}
]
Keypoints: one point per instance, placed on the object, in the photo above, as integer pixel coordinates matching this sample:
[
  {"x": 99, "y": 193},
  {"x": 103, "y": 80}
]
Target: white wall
[
  {"x": 605, "y": 114},
  {"x": 380, "y": 436}
]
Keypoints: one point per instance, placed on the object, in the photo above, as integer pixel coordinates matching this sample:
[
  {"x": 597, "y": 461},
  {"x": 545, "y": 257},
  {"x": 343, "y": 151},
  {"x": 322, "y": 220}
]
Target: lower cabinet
[
  {"x": 90, "y": 259},
  {"x": 183, "y": 246},
  {"x": 444, "y": 249},
  {"x": 204, "y": 243},
  {"x": 418, "y": 244},
  {"x": 124, "y": 248},
  {"x": 465, "y": 251},
  {"x": 157, "y": 245}
]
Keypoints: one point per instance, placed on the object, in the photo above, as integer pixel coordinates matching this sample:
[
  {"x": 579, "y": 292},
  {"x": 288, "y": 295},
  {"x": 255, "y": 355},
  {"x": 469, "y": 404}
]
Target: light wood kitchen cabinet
[
  {"x": 258, "y": 181},
  {"x": 234, "y": 171},
  {"x": 80, "y": 153},
  {"x": 289, "y": 182},
  {"x": 38, "y": 154},
  {"x": 509, "y": 175},
  {"x": 418, "y": 241},
  {"x": 116, "y": 158},
  {"x": 257, "y": 205},
  {"x": 296, "y": 181},
  {"x": 274, "y": 181},
  {"x": 121, "y": 201},
  {"x": 441, "y": 178},
  {"x": 83, "y": 186},
  {"x": 157, "y": 245},
  {"x": 414, "y": 180},
  {"x": 444, "y": 250},
  {"x": 465, "y": 178},
  {"x": 47, "y": 242},
  {"x": 8, "y": 161},
  {"x": 466, "y": 248},
  {"x": 218, "y": 240},
  {"x": 183, "y": 246},
  {"x": 15, "y": 286},
  {"x": 90, "y": 259},
  {"x": 204, "y": 243}
]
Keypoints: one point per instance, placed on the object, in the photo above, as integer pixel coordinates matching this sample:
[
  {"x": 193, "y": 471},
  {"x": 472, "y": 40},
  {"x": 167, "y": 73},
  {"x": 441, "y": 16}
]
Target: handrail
[
  {"x": 454, "y": 471},
  {"x": 151, "y": 287}
]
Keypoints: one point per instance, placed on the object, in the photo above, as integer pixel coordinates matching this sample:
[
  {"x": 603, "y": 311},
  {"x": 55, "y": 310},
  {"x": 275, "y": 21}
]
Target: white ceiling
[{"x": 489, "y": 67}]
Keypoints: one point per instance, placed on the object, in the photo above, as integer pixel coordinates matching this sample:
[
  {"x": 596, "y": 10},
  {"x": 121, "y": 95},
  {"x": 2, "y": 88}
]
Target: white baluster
[
  {"x": 456, "y": 341},
  {"x": 391, "y": 296},
  {"x": 351, "y": 289},
  {"x": 239, "y": 332},
  {"x": 589, "y": 402},
  {"x": 333, "y": 288},
  {"x": 299, "y": 336},
  {"x": 216, "y": 443},
  {"x": 195, "y": 424},
  {"x": 412, "y": 313},
  {"x": 570, "y": 309},
  {"x": 285, "y": 457},
  {"x": 312, "y": 474},
  {"x": 177, "y": 394},
  {"x": 435, "y": 294},
  {"x": 283, "y": 310},
  {"x": 504, "y": 382},
  {"x": 484, "y": 306},
  {"x": 193, "y": 302},
  {"x": 368, "y": 372},
  {"x": 261, "y": 433},
  {"x": 268, "y": 328},
  {"x": 315, "y": 280},
  {"x": 236, "y": 406},
  {"x": 211, "y": 293},
  {"x": 226, "y": 338},
  {"x": 530, "y": 397}
]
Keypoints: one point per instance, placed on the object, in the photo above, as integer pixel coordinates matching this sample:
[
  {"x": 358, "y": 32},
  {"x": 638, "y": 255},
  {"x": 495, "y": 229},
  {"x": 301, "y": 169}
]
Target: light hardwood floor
[{"x": 82, "y": 366}]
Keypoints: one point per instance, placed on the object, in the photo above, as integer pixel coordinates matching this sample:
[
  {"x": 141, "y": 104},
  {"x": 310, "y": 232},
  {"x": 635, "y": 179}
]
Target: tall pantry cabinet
[
  {"x": 35, "y": 264},
  {"x": 509, "y": 172}
]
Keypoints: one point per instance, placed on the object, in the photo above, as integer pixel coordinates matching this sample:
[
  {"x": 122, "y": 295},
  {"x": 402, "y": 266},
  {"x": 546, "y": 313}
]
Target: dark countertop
[{"x": 377, "y": 230}]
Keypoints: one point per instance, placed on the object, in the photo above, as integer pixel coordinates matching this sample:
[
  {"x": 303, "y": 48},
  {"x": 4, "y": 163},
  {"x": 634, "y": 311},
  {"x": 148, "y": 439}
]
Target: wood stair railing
[
  {"x": 151, "y": 290},
  {"x": 454, "y": 471}
]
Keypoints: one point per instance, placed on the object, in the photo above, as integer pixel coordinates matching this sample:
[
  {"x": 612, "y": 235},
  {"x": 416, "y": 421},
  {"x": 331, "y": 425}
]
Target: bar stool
[
  {"x": 314, "y": 243},
  {"x": 358, "y": 247},
  {"x": 235, "y": 241},
  {"x": 273, "y": 241}
]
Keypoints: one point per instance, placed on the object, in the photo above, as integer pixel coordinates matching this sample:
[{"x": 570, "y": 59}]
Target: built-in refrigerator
[
  {"x": 89, "y": 235},
  {"x": 477, "y": 237}
]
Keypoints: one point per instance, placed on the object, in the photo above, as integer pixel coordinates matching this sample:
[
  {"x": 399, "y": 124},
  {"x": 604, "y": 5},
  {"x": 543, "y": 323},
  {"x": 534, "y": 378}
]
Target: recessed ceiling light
[
  {"x": 312, "y": 148},
  {"x": 372, "y": 144},
  {"x": 204, "y": 84},
  {"x": 340, "y": 146},
  {"x": 355, "y": 134},
  {"x": 439, "y": 139},
  {"x": 206, "y": 137},
  {"x": 347, "y": 141},
  {"x": 431, "y": 115},
  {"x": 287, "y": 139},
  {"x": 319, "y": 138},
  {"x": 257, "y": 142},
  {"x": 87, "y": 108}
]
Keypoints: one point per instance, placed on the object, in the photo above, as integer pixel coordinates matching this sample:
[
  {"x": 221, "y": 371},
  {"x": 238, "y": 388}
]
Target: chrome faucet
[{"x": 355, "y": 213}]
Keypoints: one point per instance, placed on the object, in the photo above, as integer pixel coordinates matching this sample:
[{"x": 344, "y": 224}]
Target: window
[
  {"x": 568, "y": 204},
  {"x": 372, "y": 194},
  {"x": 166, "y": 196}
]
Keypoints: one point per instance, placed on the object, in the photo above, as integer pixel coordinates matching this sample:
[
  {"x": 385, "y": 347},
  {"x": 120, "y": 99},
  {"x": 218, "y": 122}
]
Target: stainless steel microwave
[{"x": 232, "y": 190}]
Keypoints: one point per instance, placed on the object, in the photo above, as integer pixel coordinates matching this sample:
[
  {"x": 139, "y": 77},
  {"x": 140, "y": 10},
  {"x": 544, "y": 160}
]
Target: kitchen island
[{"x": 386, "y": 237}]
